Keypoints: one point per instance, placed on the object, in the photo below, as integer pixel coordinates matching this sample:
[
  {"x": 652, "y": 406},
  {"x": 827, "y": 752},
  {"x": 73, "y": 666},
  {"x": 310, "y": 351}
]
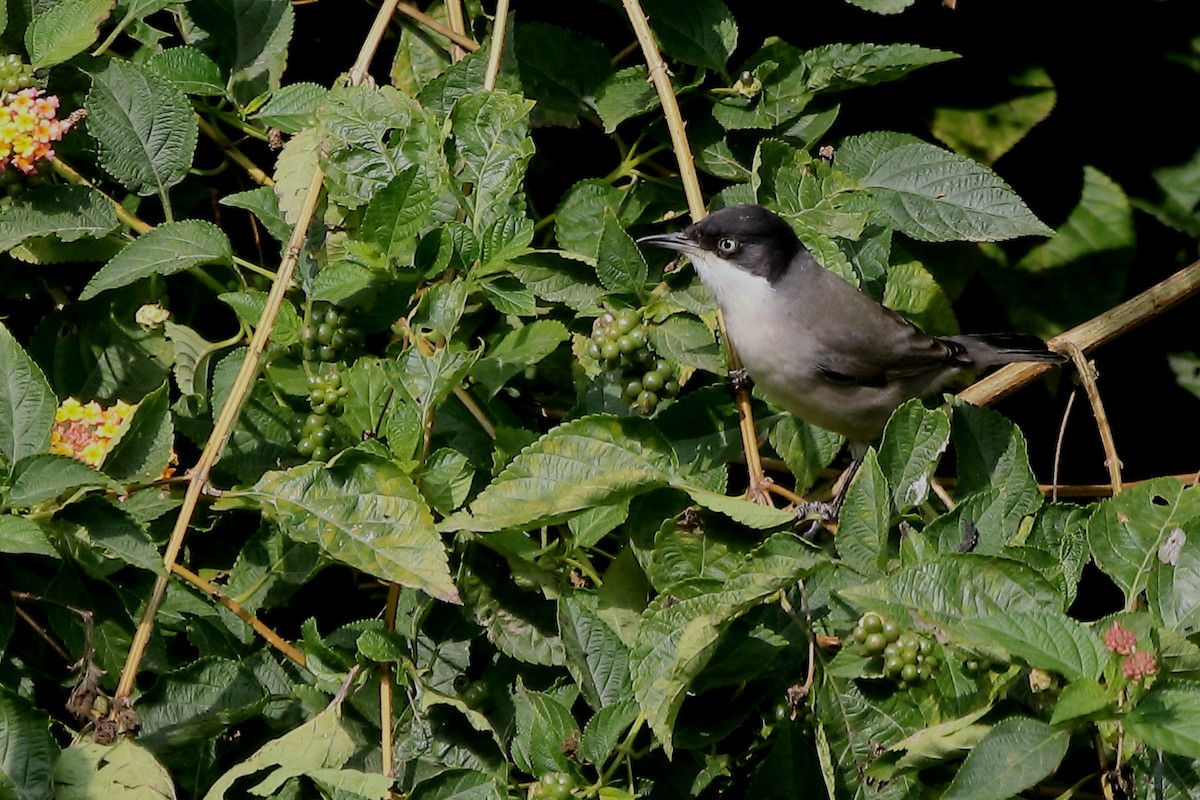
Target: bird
[{"x": 813, "y": 343}]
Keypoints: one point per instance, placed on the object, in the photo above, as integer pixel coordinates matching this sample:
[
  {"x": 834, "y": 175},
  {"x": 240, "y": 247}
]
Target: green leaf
[
  {"x": 992, "y": 453},
  {"x": 805, "y": 448},
  {"x": 837, "y": 67},
  {"x": 784, "y": 93},
  {"x": 27, "y": 750},
  {"x": 169, "y": 248},
  {"x": 458, "y": 784},
  {"x": 144, "y": 127},
  {"x": 264, "y": 204},
  {"x": 64, "y": 30},
  {"x": 43, "y": 477},
  {"x": 684, "y": 339},
  {"x": 293, "y": 107},
  {"x": 294, "y": 169},
  {"x": 446, "y": 480},
  {"x": 623, "y": 95},
  {"x": 597, "y": 460},
  {"x": 953, "y": 586},
  {"x": 20, "y": 535},
  {"x": 247, "y": 38},
  {"x": 26, "y": 403},
  {"x": 1168, "y": 718},
  {"x": 69, "y": 213},
  {"x": 1016, "y": 754},
  {"x": 882, "y": 6},
  {"x": 560, "y": 280},
  {"x": 200, "y": 700},
  {"x": 913, "y": 443},
  {"x": 1173, "y": 589},
  {"x": 752, "y": 515},
  {"x": 544, "y": 725},
  {"x": 462, "y": 78},
  {"x": 517, "y": 350},
  {"x": 676, "y": 639},
  {"x": 986, "y": 132},
  {"x": 814, "y": 197},
  {"x": 603, "y": 731},
  {"x": 865, "y": 519},
  {"x": 913, "y": 292},
  {"x": 1043, "y": 639},
  {"x": 561, "y": 94},
  {"x": 103, "y": 538},
  {"x": 579, "y": 218},
  {"x": 397, "y": 213},
  {"x": 934, "y": 195},
  {"x": 596, "y": 657},
  {"x": 191, "y": 71},
  {"x": 371, "y": 136},
  {"x": 363, "y": 512},
  {"x": 1081, "y": 698},
  {"x": 1079, "y": 273},
  {"x": 1128, "y": 531},
  {"x": 320, "y": 743},
  {"x": 619, "y": 263},
  {"x": 491, "y": 148},
  {"x": 249, "y": 307},
  {"x": 143, "y": 451},
  {"x": 125, "y": 769},
  {"x": 701, "y": 33}
]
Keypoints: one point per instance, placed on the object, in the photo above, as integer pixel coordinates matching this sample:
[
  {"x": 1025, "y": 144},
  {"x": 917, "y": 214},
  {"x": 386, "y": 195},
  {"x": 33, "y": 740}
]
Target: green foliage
[{"x": 486, "y": 456}]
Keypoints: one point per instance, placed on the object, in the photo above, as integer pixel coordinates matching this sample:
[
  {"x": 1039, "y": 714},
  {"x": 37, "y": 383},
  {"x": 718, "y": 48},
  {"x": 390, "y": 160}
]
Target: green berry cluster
[
  {"x": 315, "y": 437},
  {"x": 621, "y": 342},
  {"x": 15, "y": 74},
  {"x": 553, "y": 786},
  {"x": 329, "y": 334},
  {"x": 908, "y": 657}
]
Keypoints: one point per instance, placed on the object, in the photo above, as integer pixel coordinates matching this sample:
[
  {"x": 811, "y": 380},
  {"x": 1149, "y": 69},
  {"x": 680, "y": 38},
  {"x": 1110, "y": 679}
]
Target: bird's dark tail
[{"x": 994, "y": 349}]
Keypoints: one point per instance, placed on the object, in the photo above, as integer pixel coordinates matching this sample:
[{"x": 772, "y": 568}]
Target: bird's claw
[
  {"x": 739, "y": 379},
  {"x": 811, "y": 517}
]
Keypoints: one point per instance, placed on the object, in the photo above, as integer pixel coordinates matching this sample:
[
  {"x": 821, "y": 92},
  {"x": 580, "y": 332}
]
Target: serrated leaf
[
  {"x": 397, "y": 213},
  {"x": 676, "y": 639},
  {"x": 69, "y": 213},
  {"x": 1167, "y": 718},
  {"x": 701, "y": 33},
  {"x": 913, "y": 443},
  {"x": 991, "y": 452},
  {"x": 589, "y": 462},
  {"x": 371, "y": 136},
  {"x": 543, "y": 727},
  {"x": 806, "y": 449},
  {"x": 27, "y": 404},
  {"x": 1081, "y": 698},
  {"x": 102, "y": 538},
  {"x": 144, "y": 127},
  {"x": 934, "y": 195},
  {"x": 837, "y": 67},
  {"x": 491, "y": 148},
  {"x": 27, "y": 750},
  {"x": 248, "y": 38},
  {"x": 44, "y": 476},
  {"x": 623, "y": 95},
  {"x": 596, "y": 657},
  {"x": 752, "y": 515},
  {"x": 954, "y": 586},
  {"x": 363, "y": 512},
  {"x": 458, "y": 80},
  {"x": 812, "y": 195},
  {"x": 579, "y": 218},
  {"x": 517, "y": 350},
  {"x": 320, "y": 743},
  {"x": 1127, "y": 531},
  {"x": 603, "y": 731},
  {"x": 169, "y": 248},
  {"x": 882, "y": 6},
  {"x": 144, "y": 448},
  {"x": 20, "y": 535},
  {"x": 1016, "y": 754},
  {"x": 559, "y": 280},
  {"x": 985, "y": 133},
  {"x": 125, "y": 769},
  {"x": 561, "y": 94},
  {"x": 684, "y": 339},
  {"x": 294, "y": 170},
  {"x": 1046, "y": 640},
  {"x": 191, "y": 71},
  {"x": 293, "y": 107},
  {"x": 458, "y": 784},
  {"x": 197, "y": 701},
  {"x": 64, "y": 30},
  {"x": 264, "y": 204},
  {"x": 506, "y": 238},
  {"x": 619, "y": 263},
  {"x": 865, "y": 519},
  {"x": 913, "y": 291}
]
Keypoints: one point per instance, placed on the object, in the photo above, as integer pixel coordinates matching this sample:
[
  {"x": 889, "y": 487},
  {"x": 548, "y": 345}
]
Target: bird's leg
[
  {"x": 758, "y": 490},
  {"x": 827, "y": 512}
]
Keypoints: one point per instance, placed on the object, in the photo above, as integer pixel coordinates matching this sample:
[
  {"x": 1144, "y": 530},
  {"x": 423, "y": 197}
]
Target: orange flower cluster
[
  {"x": 86, "y": 432},
  {"x": 1137, "y": 665},
  {"x": 27, "y": 127}
]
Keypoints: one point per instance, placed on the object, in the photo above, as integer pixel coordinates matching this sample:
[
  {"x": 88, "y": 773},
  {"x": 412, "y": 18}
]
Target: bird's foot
[
  {"x": 739, "y": 379},
  {"x": 760, "y": 491},
  {"x": 812, "y": 516}
]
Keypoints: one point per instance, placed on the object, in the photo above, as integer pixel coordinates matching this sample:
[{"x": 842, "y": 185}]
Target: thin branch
[
  {"x": 1088, "y": 376},
  {"x": 42, "y": 632},
  {"x": 261, "y": 628},
  {"x": 385, "y": 685},
  {"x": 499, "y": 29},
  {"x": 67, "y": 172},
  {"x": 660, "y": 77},
  {"x": 198, "y": 476},
  {"x": 1058, "y": 444},
  {"x": 462, "y": 40},
  {"x": 233, "y": 153},
  {"x": 1092, "y": 334},
  {"x": 458, "y": 24}
]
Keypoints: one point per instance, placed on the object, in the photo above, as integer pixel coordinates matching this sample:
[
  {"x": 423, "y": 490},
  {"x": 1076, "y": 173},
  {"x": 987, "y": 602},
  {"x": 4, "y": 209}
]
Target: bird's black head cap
[{"x": 754, "y": 238}]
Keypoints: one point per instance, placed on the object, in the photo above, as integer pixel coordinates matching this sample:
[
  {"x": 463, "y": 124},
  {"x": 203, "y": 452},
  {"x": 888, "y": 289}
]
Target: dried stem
[
  {"x": 385, "y": 685},
  {"x": 660, "y": 77},
  {"x": 232, "y": 152},
  {"x": 462, "y": 40},
  {"x": 1058, "y": 445},
  {"x": 261, "y": 628},
  {"x": 458, "y": 24},
  {"x": 198, "y": 476},
  {"x": 499, "y": 28},
  {"x": 1088, "y": 375},
  {"x": 42, "y": 632}
]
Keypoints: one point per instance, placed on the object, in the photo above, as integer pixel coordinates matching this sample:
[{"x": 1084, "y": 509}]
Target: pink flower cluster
[
  {"x": 28, "y": 125},
  {"x": 1137, "y": 664},
  {"x": 86, "y": 432}
]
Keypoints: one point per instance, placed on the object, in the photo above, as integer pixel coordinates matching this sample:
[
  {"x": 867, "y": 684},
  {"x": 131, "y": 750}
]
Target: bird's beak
[{"x": 671, "y": 241}]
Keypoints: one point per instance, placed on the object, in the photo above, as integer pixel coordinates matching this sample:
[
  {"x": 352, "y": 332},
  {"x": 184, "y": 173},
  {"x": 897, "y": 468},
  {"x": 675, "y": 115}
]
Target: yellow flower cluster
[
  {"x": 27, "y": 127},
  {"x": 86, "y": 431}
]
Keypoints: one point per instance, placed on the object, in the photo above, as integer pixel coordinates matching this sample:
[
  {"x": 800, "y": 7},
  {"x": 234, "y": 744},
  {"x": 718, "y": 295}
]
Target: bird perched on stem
[{"x": 814, "y": 344}]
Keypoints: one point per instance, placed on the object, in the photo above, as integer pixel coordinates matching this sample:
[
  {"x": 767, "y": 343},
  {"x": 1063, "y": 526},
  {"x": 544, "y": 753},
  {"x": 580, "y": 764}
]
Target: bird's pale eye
[{"x": 727, "y": 245}]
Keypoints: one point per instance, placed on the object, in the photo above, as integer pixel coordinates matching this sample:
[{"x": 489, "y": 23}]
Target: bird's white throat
[{"x": 739, "y": 293}]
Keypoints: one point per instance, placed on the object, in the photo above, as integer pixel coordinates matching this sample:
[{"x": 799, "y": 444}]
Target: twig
[
  {"x": 939, "y": 488},
  {"x": 458, "y": 24},
  {"x": 465, "y": 398},
  {"x": 1095, "y": 332},
  {"x": 261, "y": 628},
  {"x": 233, "y": 153},
  {"x": 385, "y": 685},
  {"x": 499, "y": 28},
  {"x": 659, "y": 76},
  {"x": 45, "y": 634},
  {"x": 344, "y": 689},
  {"x": 1058, "y": 444},
  {"x": 123, "y": 214},
  {"x": 462, "y": 40},
  {"x": 1088, "y": 376},
  {"x": 198, "y": 477}
]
